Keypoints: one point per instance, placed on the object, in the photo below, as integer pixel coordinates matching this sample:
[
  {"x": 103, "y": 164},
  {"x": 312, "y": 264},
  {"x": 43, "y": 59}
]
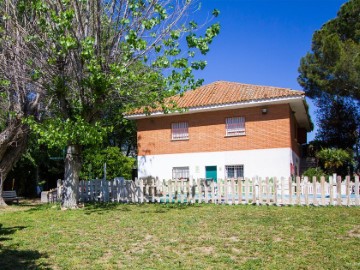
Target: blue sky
[{"x": 262, "y": 41}]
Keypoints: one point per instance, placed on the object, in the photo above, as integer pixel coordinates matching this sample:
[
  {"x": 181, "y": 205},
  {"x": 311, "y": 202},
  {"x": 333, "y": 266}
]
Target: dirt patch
[
  {"x": 355, "y": 232},
  {"x": 236, "y": 250},
  {"x": 234, "y": 239},
  {"x": 205, "y": 250}
]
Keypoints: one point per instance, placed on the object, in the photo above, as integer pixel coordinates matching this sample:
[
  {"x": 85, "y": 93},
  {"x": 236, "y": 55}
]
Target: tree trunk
[
  {"x": 13, "y": 143},
  {"x": 70, "y": 188}
]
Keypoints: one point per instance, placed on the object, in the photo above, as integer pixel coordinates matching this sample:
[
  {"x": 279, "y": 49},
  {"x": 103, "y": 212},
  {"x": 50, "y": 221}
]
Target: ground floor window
[
  {"x": 234, "y": 171},
  {"x": 180, "y": 172}
]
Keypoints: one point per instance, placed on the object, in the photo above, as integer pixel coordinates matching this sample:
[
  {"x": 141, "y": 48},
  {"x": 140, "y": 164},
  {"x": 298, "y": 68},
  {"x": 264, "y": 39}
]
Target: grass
[{"x": 113, "y": 236}]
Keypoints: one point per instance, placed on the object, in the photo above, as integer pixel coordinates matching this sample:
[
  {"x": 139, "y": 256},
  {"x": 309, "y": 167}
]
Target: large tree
[
  {"x": 19, "y": 94},
  {"x": 333, "y": 66},
  {"x": 85, "y": 54},
  {"x": 330, "y": 74}
]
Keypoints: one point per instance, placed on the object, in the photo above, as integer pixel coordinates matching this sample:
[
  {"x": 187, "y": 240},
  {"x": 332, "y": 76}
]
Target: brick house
[{"x": 227, "y": 130}]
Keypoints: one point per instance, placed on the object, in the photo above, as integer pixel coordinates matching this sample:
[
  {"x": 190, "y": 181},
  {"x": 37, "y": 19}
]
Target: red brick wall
[
  {"x": 295, "y": 143},
  {"x": 207, "y": 131}
]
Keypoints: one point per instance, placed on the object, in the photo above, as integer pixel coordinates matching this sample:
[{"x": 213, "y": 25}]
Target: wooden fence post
[
  {"x": 260, "y": 192},
  {"x": 233, "y": 193},
  {"x": 254, "y": 182},
  {"x": 275, "y": 191},
  {"x": 322, "y": 188},
  {"x": 199, "y": 190},
  {"x": 206, "y": 198},
  {"x": 157, "y": 190},
  {"x": 338, "y": 189},
  {"x": 110, "y": 188},
  {"x": 136, "y": 191},
  {"x": 282, "y": 190},
  {"x": 213, "y": 195},
  {"x": 298, "y": 190},
  {"x": 226, "y": 190},
  {"x": 306, "y": 190},
  {"x": 314, "y": 190},
  {"x": 267, "y": 191},
  {"x": 240, "y": 190},
  {"x": 188, "y": 191},
  {"x": 170, "y": 182},
  {"x": 141, "y": 182},
  {"x": 193, "y": 191},
  {"x": 348, "y": 187},
  {"x": 246, "y": 184},
  {"x": 58, "y": 189},
  {"x": 152, "y": 189},
  {"x": 91, "y": 184},
  {"x": 85, "y": 191},
  {"x": 331, "y": 184}
]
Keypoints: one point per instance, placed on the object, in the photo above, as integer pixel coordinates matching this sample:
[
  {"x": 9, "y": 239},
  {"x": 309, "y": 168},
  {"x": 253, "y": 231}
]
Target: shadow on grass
[
  {"x": 10, "y": 230},
  {"x": 21, "y": 259},
  {"x": 10, "y": 258},
  {"x": 101, "y": 208},
  {"x": 163, "y": 208},
  {"x": 41, "y": 207}
]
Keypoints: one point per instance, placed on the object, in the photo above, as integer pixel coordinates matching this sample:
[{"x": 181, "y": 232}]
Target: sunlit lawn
[{"x": 202, "y": 236}]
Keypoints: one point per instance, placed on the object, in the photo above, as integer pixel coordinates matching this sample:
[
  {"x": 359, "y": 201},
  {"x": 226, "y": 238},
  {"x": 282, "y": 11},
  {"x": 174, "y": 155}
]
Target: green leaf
[{"x": 216, "y": 12}]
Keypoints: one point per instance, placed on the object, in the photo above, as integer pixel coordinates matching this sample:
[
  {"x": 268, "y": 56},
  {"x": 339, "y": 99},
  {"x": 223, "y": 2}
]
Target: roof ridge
[{"x": 250, "y": 84}]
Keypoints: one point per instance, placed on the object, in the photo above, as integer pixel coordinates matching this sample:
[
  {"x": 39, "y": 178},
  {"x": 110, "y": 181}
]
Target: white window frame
[
  {"x": 181, "y": 172},
  {"x": 235, "y": 168},
  {"x": 180, "y": 131},
  {"x": 235, "y": 126}
]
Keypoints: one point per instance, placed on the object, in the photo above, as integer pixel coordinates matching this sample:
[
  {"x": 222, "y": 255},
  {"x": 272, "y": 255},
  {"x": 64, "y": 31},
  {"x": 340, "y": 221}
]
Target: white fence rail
[{"x": 298, "y": 191}]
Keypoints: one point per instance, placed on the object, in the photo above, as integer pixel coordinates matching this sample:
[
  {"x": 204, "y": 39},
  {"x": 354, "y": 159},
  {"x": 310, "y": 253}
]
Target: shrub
[
  {"x": 318, "y": 172},
  {"x": 117, "y": 164},
  {"x": 334, "y": 160}
]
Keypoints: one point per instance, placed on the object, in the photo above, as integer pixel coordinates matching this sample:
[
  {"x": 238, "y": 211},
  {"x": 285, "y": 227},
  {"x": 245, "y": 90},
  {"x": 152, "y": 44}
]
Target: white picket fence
[{"x": 298, "y": 191}]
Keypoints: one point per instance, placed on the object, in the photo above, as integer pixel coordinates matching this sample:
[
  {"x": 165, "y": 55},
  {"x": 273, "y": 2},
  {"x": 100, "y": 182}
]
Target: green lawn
[{"x": 114, "y": 236}]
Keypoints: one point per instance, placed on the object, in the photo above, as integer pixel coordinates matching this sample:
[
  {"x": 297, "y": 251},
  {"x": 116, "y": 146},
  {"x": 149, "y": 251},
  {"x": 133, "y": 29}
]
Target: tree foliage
[
  {"x": 338, "y": 122},
  {"x": 82, "y": 55},
  {"x": 333, "y": 66},
  {"x": 311, "y": 172},
  {"x": 335, "y": 160},
  {"x": 116, "y": 164}
]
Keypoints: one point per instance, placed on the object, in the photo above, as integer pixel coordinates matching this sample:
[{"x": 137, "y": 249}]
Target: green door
[{"x": 211, "y": 172}]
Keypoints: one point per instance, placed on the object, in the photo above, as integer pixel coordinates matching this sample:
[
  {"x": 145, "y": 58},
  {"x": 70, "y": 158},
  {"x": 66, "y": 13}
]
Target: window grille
[
  {"x": 234, "y": 171},
  {"x": 235, "y": 126},
  {"x": 180, "y": 173},
  {"x": 180, "y": 131}
]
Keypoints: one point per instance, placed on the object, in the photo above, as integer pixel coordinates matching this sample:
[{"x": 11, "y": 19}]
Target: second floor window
[
  {"x": 180, "y": 131},
  {"x": 235, "y": 126}
]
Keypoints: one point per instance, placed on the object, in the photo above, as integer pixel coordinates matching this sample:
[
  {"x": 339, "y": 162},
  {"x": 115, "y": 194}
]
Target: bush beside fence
[{"x": 297, "y": 191}]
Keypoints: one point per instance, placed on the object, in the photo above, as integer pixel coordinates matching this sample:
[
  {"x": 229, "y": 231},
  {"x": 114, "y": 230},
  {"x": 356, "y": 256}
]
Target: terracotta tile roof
[{"x": 224, "y": 93}]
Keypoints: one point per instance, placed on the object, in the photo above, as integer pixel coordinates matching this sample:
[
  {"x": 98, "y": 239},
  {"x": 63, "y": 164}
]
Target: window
[
  {"x": 180, "y": 173},
  {"x": 180, "y": 131},
  {"x": 234, "y": 171},
  {"x": 235, "y": 126}
]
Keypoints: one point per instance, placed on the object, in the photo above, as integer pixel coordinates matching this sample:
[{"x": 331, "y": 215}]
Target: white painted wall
[{"x": 263, "y": 163}]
